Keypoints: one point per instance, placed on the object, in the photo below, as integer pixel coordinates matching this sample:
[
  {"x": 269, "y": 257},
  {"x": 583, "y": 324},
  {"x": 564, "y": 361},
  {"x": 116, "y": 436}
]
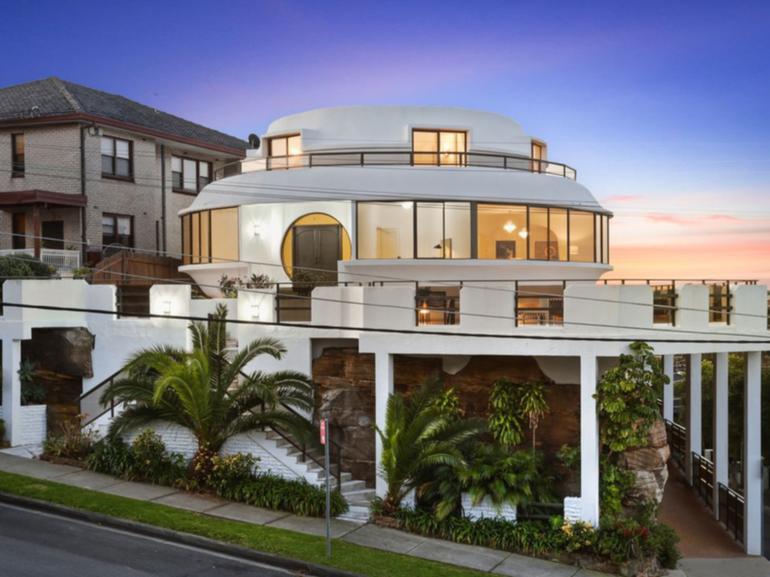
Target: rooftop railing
[{"x": 381, "y": 158}]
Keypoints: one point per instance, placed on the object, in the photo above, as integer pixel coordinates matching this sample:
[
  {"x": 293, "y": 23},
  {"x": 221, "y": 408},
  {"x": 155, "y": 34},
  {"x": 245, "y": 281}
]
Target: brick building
[{"x": 89, "y": 171}]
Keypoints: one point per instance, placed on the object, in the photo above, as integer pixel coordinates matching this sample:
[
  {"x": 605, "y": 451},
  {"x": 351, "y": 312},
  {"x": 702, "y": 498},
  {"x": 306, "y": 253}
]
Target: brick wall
[
  {"x": 33, "y": 424},
  {"x": 345, "y": 381},
  {"x": 52, "y": 158}
]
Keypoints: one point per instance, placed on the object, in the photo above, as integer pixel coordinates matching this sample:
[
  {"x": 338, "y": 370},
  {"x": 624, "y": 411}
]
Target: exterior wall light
[
  {"x": 255, "y": 311},
  {"x": 257, "y": 230},
  {"x": 167, "y": 307}
]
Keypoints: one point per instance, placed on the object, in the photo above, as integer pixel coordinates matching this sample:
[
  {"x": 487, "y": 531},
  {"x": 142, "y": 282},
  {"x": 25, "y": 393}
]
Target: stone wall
[{"x": 345, "y": 380}]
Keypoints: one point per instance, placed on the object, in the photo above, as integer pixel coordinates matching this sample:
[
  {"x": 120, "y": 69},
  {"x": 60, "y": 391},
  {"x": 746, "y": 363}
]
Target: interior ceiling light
[
  {"x": 523, "y": 233},
  {"x": 406, "y": 205},
  {"x": 509, "y": 227}
]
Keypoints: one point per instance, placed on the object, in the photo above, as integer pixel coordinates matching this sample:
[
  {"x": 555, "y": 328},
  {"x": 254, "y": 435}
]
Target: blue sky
[{"x": 663, "y": 107}]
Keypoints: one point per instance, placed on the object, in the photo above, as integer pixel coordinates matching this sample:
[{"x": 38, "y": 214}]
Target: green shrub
[
  {"x": 112, "y": 456},
  {"x": 146, "y": 459},
  {"x": 229, "y": 472},
  {"x": 151, "y": 461},
  {"x": 2, "y": 430},
  {"x": 272, "y": 492},
  {"x": 72, "y": 442},
  {"x": 663, "y": 540},
  {"x": 513, "y": 478}
]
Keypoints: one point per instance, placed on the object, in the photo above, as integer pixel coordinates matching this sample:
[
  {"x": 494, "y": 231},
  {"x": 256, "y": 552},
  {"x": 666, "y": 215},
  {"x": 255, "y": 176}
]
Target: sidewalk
[{"x": 368, "y": 535}]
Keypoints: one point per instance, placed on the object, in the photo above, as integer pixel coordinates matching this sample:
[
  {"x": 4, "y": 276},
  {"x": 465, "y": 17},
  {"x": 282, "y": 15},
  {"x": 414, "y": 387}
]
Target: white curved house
[{"x": 392, "y": 242}]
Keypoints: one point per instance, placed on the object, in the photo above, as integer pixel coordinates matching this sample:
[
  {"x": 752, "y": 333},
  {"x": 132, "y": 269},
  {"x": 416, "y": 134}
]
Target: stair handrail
[
  {"x": 85, "y": 420},
  {"x": 301, "y": 446}
]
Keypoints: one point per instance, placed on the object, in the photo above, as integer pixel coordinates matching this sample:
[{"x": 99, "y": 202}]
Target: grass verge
[{"x": 346, "y": 556}]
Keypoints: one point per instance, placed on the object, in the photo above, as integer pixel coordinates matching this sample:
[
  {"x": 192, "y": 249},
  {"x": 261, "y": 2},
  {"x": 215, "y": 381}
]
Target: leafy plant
[
  {"x": 72, "y": 441},
  {"x": 32, "y": 392},
  {"x": 448, "y": 404},
  {"x": 206, "y": 391},
  {"x": 229, "y": 286},
  {"x": 145, "y": 459},
  {"x": 230, "y": 471},
  {"x": 2, "y": 430},
  {"x": 569, "y": 456},
  {"x": 272, "y": 492},
  {"x": 112, "y": 456},
  {"x": 515, "y": 478},
  {"x": 626, "y": 398},
  {"x": 533, "y": 406},
  {"x": 504, "y": 419},
  {"x": 614, "y": 485},
  {"x": 418, "y": 437},
  {"x": 663, "y": 540},
  {"x": 151, "y": 461}
]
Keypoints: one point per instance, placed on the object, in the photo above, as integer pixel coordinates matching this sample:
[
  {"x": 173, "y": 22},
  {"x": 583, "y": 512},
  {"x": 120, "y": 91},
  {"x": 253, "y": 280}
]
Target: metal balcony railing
[{"x": 381, "y": 158}]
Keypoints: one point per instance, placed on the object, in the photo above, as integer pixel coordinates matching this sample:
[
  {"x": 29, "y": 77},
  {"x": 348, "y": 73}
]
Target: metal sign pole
[{"x": 324, "y": 441}]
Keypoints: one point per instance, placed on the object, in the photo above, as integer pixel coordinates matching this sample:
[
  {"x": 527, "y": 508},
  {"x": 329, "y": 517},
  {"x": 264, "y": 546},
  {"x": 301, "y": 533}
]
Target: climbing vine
[{"x": 627, "y": 401}]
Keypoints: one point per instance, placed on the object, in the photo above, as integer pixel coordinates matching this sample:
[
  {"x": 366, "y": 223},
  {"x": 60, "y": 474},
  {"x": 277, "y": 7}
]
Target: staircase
[{"x": 357, "y": 495}]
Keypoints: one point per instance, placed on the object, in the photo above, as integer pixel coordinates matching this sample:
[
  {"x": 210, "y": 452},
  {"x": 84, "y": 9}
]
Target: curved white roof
[
  {"x": 390, "y": 127},
  {"x": 394, "y": 183}
]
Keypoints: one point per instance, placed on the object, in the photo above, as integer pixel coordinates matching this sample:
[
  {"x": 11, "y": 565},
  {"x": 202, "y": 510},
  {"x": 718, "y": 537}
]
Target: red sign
[{"x": 323, "y": 431}]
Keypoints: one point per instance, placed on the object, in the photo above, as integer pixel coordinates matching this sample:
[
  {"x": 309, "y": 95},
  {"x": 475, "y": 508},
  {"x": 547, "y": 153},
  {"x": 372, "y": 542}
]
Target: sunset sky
[{"x": 663, "y": 107}]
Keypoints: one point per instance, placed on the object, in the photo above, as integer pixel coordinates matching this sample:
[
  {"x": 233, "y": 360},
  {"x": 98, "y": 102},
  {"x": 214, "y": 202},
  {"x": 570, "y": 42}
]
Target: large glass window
[
  {"x": 284, "y": 151},
  {"x": 210, "y": 236},
  {"x": 385, "y": 230},
  {"x": 117, "y": 158},
  {"x": 502, "y": 231},
  {"x": 558, "y": 232},
  {"x": 443, "y": 230},
  {"x": 541, "y": 245},
  {"x": 582, "y": 244},
  {"x": 439, "y": 147}
]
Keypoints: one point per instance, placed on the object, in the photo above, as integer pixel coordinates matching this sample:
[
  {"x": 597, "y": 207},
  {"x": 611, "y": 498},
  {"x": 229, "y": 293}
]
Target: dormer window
[
  {"x": 284, "y": 151},
  {"x": 439, "y": 147}
]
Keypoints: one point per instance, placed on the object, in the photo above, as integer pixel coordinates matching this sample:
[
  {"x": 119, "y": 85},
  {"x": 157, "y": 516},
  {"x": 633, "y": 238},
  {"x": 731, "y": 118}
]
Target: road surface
[{"x": 34, "y": 544}]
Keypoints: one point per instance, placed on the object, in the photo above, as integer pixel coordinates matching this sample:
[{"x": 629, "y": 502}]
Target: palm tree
[
  {"x": 418, "y": 438},
  {"x": 533, "y": 405},
  {"x": 208, "y": 391}
]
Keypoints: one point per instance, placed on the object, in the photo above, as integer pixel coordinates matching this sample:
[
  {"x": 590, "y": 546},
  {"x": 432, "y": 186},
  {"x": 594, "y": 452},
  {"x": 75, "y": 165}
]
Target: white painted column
[
  {"x": 383, "y": 388},
  {"x": 668, "y": 390},
  {"x": 721, "y": 460},
  {"x": 694, "y": 412},
  {"x": 12, "y": 390},
  {"x": 752, "y": 454},
  {"x": 589, "y": 441}
]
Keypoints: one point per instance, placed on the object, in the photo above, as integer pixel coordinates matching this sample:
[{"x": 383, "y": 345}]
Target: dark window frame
[
  {"x": 116, "y": 236},
  {"x": 113, "y": 175},
  {"x": 18, "y": 162},
  {"x": 198, "y": 187}
]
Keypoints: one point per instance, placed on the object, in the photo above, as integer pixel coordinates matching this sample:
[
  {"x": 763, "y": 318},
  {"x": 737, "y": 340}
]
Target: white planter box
[
  {"x": 33, "y": 424},
  {"x": 487, "y": 510}
]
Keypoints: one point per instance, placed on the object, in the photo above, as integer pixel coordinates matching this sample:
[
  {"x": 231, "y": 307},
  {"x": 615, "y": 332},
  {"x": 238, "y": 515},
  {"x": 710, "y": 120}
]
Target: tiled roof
[{"x": 55, "y": 97}]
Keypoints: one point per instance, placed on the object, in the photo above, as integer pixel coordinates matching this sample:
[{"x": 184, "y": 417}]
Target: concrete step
[
  {"x": 360, "y": 495},
  {"x": 353, "y": 485},
  {"x": 356, "y": 513}
]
